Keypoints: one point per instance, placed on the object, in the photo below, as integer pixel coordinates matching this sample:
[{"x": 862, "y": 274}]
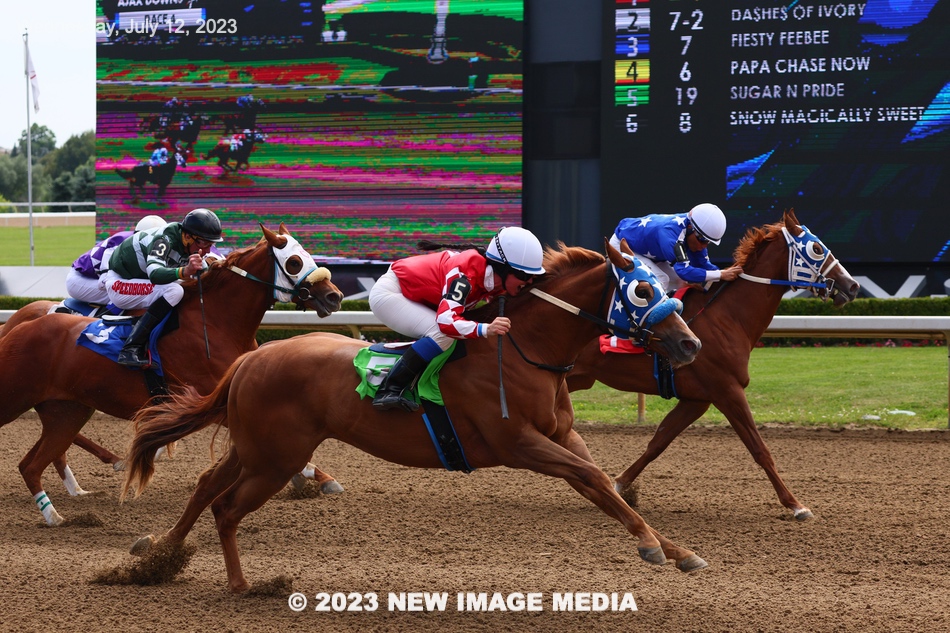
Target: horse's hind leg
[
  {"x": 61, "y": 421},
  {"x": 101, "y": 453},
  {"x": 211, "y": 484},
  {"x": 681, "y": 416},
  {"x": 69, "y": 479},
  {"x": 249, "y": 492},
  {"x": 328, "y": 485}
]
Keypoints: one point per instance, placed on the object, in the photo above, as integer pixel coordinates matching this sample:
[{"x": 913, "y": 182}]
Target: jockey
[
  {"x": 159, "y": 157},
  {"x": 425, "y": 297},
  {"x": 237, "y": 140},
  {"x": 674, "y": 246},
  {"x": 84, "y": 281},
  {"x": 147, "y": 270}
]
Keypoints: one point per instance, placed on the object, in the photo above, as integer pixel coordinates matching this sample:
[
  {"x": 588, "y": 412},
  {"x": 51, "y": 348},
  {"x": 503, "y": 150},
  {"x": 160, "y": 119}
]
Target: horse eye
[
  {"x": 640, "y": 294},
  {"x": 815, "y": 251},
  {"x": 293, "y": 265}
]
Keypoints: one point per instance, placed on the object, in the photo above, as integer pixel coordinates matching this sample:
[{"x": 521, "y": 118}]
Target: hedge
[{"x": 918, "y": 306}]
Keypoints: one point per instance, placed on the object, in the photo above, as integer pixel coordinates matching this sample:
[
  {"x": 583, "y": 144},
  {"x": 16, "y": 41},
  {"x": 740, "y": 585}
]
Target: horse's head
[
  {"x": 811, "y": 262},
  {"x": 806, "y": 263},
  {"x": 298, "y": 278},
  {"x": 640, "y": 305}
]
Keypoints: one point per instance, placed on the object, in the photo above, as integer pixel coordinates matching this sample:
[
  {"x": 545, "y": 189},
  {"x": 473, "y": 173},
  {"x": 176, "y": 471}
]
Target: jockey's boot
[
  {"x": 401, "y": 377},
  {"x": 135, "y": 351}
]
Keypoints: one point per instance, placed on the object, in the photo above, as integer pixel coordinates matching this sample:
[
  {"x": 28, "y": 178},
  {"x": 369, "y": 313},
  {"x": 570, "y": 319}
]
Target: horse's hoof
[
  {"x": 331, "y": 487},
  {"x": 802, "y": 514},
  {"x": 142, "y": 545},
  {"x": 691, "y": 563},
  {"x": 55, "y": 519},
  {"x": 119, "y": 466},
  {"x": 652, "y": 555}
]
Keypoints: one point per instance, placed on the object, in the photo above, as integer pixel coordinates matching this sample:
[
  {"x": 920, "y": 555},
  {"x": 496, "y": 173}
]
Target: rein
[
  {"x": 296, "y": 292},
  {"x": 643, "y": 335}
]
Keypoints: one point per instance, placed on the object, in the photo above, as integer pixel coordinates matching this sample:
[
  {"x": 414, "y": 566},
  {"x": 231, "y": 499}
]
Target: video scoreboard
[{"x": 840, "y": 110}]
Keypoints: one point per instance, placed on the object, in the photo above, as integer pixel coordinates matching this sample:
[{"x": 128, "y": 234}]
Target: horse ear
[
  {"x": 283, "y": 230},
  {"x": 272, "y": 238},
  {"x": 615, "y": 257},
  {"x": 625, "y": 248},
  {"x": 791, "y": 222}
]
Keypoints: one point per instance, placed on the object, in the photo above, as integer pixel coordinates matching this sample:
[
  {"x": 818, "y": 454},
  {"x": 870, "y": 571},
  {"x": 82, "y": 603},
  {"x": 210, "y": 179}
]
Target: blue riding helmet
[{"x": 645, "y": 312}]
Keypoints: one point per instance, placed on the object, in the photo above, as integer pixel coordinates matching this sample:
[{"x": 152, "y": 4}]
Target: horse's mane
[
  {"x": 219, "y": 268},
  {"x": 558, "y": 262},
  {"x": 752, "y": 238},
  {"x": 564, "y": 259}
]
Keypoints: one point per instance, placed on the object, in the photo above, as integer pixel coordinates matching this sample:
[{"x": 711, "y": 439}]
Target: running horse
[
  {"x": 159, "y": 175},
  {"x": 282, "y": 401},
  {"x": 729, "y": 319},
  {"x": 42, "y": 367}
]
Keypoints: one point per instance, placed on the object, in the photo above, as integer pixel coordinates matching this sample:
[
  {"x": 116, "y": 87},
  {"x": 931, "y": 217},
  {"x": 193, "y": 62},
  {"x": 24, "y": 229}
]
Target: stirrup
[
  {"x": 387, "y": 401},
  {"x": 133, "y": 357}
]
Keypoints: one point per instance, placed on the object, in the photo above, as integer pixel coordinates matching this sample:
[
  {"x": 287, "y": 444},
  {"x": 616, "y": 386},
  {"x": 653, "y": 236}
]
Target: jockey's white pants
[
  {"x": 88, "y": 289},
  {"x": 132, "y": 294},
  {"x": 665, "y": 274},
  {"x": 404, "y": 315}
]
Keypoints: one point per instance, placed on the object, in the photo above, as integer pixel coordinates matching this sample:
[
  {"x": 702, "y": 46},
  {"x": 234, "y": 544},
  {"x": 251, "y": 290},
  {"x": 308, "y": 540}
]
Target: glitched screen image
[{"x": 364, "y": 125}]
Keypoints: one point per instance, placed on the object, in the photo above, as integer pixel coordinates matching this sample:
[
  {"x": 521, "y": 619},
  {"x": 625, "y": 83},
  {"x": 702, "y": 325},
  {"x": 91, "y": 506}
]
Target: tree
[
  {"x": 78, "y": 186},
  {"x": 42, "y": 142},
  {"x": 74, "y": 153}
]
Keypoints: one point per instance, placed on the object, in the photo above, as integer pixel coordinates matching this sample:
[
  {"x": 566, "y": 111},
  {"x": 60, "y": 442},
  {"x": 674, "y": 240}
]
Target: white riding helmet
[
  {"x": 150, "y": 222},
  {"x": 709, "y": 222},
  {"x": 518, "y": 248}
]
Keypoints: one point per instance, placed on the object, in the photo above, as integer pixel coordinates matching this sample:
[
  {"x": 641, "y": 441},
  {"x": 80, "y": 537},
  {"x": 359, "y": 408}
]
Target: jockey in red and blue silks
[
  {"x": 674, "y": 246},
  {"x": 425, "y": 297}
]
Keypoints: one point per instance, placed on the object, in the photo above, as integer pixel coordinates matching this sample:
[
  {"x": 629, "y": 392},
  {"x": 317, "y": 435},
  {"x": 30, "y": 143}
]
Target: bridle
[
  {"x": 807, "y": 266},
  {"x": 640, "y": 317},
  {"x": 288, "y": 287}
]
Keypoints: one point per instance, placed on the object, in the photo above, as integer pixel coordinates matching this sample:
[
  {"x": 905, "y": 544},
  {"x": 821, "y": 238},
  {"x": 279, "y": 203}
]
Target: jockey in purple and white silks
[
  {"x": 85, "y": 281},
  {"x": 674, "y": 246}
]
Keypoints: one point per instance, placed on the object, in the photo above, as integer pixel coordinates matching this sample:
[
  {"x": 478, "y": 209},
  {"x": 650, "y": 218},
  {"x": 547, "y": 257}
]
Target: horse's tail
[
  {"x": 125, "y": 173},
  {"x": 181, "y": 414}
]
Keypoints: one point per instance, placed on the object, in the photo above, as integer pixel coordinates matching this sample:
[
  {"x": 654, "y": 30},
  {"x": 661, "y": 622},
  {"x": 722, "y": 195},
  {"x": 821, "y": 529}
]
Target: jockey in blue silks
[{"x": 674, "y": 246}]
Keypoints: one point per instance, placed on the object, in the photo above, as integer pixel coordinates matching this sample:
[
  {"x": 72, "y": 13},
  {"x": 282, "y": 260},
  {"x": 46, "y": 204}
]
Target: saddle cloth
[{"x": 107, "y": 336}]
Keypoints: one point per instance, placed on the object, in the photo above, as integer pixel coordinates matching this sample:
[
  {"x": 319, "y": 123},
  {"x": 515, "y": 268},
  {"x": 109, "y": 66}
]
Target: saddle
[
  {"x": 373, "y": 362},
  {"x": 82, "y": 308}
]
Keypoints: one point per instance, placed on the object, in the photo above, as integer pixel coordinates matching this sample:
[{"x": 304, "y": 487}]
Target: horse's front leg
[
  {"x": 681, "y": 416},
  {"x": 101, "y": 453},
  {"x": 536, "y": 452},
  {"x": 735, "y": 407}
]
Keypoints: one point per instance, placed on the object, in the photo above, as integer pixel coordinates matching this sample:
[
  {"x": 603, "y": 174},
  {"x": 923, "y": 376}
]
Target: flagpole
[{"x": 29, "y": 136}]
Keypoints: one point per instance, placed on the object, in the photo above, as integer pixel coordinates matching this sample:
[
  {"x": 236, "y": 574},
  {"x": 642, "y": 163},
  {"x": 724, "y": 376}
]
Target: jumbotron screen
[
  {"x": 364, "y": 125},
  {"x": 840, "y": 110}
]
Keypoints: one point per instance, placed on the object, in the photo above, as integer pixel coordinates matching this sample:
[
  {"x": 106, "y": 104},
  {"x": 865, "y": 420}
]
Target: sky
[{"x": 62, "y": 40}]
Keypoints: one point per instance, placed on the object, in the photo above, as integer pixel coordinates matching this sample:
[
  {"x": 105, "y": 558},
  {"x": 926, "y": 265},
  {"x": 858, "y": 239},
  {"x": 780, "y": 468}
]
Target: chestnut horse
[
  {"x": 281, "y": 401},
  {"x": 729, "y": 319},
  {"x": 41, "y": 365}
]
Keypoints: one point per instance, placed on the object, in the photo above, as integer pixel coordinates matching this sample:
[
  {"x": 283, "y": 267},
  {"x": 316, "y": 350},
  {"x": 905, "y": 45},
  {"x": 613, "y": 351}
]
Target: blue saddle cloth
[{"x": 107, "y": 336}]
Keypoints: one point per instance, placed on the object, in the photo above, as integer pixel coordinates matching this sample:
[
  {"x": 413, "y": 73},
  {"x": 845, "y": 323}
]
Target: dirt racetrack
[{"x": 874, "y": 558}]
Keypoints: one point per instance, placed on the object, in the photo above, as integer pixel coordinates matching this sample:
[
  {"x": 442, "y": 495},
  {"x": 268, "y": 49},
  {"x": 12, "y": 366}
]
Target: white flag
[{"x": 31, "y": 73}]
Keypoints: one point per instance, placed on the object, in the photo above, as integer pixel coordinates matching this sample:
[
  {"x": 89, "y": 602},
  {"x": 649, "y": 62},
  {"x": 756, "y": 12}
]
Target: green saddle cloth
[{"x": 373, "y": 363}]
